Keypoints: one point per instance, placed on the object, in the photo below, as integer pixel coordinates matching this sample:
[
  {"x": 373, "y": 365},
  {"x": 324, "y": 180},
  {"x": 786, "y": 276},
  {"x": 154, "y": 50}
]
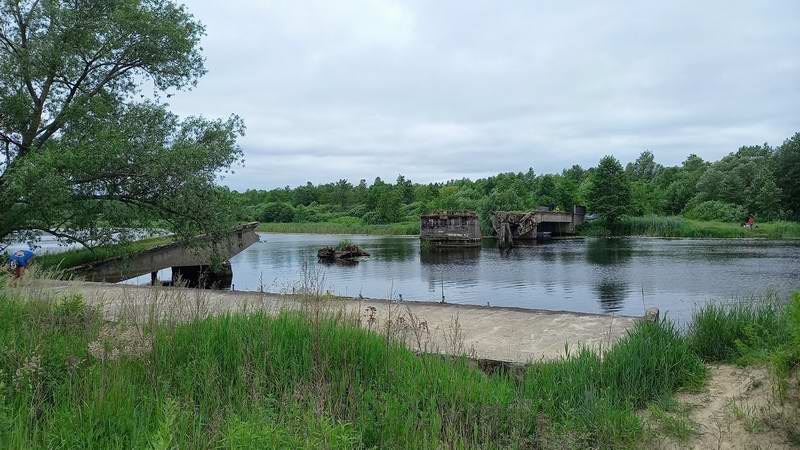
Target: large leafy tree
[
  {"x": 787, "y": 170},
  {"x": 81, "y": 157},
  {"x": 645, "y": 168},
  {"x": 610, "y": 192}
]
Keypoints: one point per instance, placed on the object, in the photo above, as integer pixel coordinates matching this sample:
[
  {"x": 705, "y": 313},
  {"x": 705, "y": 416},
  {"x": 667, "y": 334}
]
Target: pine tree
[{"x": 610, "y": 192}]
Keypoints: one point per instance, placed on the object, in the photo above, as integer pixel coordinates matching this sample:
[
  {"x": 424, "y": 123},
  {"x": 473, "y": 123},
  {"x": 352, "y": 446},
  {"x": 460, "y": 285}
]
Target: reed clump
[
  {"x": 761, "y": 330},
  {"x": 677, "y": 226}
]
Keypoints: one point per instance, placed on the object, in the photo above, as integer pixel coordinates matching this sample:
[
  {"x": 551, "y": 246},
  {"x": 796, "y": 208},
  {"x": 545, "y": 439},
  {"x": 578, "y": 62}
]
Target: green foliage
[
  {"x": 745, "y": 178},
  {"x": 81, "y": 158},
  {"x": 343, "y": 244},
  {"x": 752, "y": 181},
  {"x": 276, "y": 212},
  {"x": 787, "y": 173},
  {"x": 715, "y": 210},
  {"x": 644, "y": 168},
  {"x": 395, "y": 229},
  {"x": 610, "y": 192},
  {"x": 676, "y": 226}
]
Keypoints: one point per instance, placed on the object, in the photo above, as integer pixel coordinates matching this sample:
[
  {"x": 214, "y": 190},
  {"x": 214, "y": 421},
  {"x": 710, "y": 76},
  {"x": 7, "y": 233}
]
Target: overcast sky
[{"x": 448, "y": 89}]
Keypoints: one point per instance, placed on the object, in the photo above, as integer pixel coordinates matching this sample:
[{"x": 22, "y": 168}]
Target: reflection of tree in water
[
  {"x": 450, "y": 256},
  {"x": 611, "y": 293},
  {"x": 608, "y": 251},
  {"x": 395, "y": 249},
  {"x": 452, "y": 266}
]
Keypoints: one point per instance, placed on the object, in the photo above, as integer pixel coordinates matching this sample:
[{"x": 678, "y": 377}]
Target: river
[{"x": 584, "y": 275}]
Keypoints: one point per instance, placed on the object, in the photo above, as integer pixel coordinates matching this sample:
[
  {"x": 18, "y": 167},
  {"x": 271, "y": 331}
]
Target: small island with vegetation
[{"x": 344, "y": 251}]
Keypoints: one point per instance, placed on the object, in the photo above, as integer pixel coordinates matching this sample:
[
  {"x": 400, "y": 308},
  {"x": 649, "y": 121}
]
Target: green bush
[
  {"x": 372, "y": 218},
  {"x": 276, "y": 212},
  {"x": 716, "y": 210}
]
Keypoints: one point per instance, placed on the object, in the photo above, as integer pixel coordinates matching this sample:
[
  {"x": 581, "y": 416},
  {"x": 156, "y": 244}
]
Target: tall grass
[
  {"x": 748, "y": 332},
  {"x": 70, "y": 379},
  {"x": 676, "y": 226},
  {"x": 396, "y": 229}
]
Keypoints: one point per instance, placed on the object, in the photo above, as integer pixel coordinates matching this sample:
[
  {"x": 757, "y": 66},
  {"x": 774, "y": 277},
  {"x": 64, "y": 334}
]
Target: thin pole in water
[{"x": 442, "y": 286}]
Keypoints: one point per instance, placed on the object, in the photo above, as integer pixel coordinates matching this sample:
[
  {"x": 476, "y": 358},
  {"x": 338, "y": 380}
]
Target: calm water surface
[{"x": 583, "y": 275}]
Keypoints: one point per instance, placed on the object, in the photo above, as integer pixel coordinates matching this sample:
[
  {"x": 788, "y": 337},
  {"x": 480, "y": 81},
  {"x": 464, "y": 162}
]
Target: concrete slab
[{"x": 512, "y": 335}]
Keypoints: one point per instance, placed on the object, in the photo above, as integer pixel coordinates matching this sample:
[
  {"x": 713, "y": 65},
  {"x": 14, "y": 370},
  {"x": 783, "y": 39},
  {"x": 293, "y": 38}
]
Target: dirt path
[{"x": 739, "y": 410}]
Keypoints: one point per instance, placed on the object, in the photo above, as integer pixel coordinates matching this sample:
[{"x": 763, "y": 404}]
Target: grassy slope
[
  {"x": 72, "y": 258},
  {"x": 396, "y": 229},
  {"x": 661, "y": 226},
  {"x": 289, "y": 382}
]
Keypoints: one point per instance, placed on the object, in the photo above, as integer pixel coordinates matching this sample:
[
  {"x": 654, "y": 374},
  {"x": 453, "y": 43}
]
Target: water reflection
[
  {"x": 611, "y": 293},
  {"x": 609, "y": 251},
  {"x": 593, "y": 275},
  {"x": 460, "y": 256}
]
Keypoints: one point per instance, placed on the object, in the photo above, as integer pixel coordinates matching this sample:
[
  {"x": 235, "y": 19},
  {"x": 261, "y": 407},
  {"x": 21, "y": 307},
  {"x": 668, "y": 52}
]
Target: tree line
[{"x": 759, "y": 180}]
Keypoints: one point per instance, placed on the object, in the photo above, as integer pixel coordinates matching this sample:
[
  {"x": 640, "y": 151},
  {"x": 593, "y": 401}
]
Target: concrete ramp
[
  {"x": 506, "y": 335},
  {"x": 198, "y": 251}
]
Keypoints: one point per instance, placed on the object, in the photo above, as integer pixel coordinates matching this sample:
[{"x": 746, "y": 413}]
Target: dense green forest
[{"x": 759, "y": 180}]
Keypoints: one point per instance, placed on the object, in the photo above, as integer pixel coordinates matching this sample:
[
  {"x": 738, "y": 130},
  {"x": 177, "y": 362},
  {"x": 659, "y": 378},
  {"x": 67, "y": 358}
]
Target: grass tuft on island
[{"x": 681, "y": 227}]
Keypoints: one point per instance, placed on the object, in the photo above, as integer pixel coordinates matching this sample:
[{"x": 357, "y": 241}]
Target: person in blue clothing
[{"x": 19, "y": 261}]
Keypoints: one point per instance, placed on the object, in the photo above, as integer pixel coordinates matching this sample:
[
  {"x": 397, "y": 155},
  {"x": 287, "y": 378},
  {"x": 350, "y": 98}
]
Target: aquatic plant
[{"x": 344, "y": 244}]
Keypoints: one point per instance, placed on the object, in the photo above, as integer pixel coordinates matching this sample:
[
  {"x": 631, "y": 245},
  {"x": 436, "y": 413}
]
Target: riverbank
[
  {"x": 680, "y": 227},
  {"x": 393, "y": 229},
  {"x": 650, "y": 226},
  {"x": 307, "y": 378}
]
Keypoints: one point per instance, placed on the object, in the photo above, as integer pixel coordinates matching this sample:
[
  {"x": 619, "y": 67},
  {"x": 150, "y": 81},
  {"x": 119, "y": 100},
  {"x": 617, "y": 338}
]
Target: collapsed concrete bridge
[
  {"x": 196, "y": 262},
  {"x": 525, "y": 226}
]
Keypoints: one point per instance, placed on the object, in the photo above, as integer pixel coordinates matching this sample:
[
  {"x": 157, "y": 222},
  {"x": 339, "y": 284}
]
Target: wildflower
[
  {"x": 29, "y": 373},
  {"x": 114, "y": 343}
]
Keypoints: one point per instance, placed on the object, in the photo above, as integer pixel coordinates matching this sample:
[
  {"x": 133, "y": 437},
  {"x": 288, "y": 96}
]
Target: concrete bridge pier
[{"x": 203, "y": 276}]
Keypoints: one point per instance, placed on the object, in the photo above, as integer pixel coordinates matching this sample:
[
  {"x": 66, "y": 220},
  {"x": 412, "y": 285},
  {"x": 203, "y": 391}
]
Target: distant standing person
[{"x": 19, "y": 261}]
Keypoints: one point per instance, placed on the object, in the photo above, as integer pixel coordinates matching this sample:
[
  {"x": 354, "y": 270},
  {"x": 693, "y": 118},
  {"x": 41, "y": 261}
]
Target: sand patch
[{"x": 741, "y": 408}]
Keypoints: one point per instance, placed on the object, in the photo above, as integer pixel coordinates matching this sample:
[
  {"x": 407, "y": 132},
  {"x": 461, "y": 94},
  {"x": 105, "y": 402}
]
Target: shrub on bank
[{"x": 714, "y": 210}]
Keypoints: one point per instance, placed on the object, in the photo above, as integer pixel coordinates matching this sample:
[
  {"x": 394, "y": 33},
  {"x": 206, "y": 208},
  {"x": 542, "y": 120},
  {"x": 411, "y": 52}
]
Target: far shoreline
[{"x": 665, "y": 227}]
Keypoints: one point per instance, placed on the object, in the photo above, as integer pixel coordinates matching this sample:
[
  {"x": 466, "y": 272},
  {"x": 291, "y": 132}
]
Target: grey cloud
[{"x": 437, "y": 90}]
